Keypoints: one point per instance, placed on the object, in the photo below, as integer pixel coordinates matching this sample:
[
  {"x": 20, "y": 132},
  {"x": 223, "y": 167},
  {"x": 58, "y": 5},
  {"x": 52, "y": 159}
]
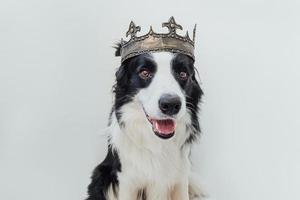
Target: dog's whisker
[
  {"x": 189, "y": 103},
  {"x": 192, "y": 109}
]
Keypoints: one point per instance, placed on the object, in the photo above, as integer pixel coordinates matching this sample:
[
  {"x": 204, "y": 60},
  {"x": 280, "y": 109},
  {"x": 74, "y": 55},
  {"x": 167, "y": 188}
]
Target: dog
[{"x": 152, "y": 126}]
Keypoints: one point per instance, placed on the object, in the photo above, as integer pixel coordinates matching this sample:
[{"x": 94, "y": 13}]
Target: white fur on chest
[{"x": 166, "y": 166}]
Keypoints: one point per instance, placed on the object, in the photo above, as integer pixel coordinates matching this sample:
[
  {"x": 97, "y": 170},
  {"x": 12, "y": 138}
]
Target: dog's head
[{"x": 160, "y": 90}]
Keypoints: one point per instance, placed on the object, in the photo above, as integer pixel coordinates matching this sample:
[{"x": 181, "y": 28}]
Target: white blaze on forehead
[
  {"x": 164, "y": 79},
  {"x": 163, "y": 82},
  {"x": 163, "y": 61}
]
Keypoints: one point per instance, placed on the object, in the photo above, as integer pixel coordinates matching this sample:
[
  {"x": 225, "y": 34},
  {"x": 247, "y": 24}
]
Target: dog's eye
[
  {"x": 145, "y": 74},
  {"x": 183, "y": 76}
]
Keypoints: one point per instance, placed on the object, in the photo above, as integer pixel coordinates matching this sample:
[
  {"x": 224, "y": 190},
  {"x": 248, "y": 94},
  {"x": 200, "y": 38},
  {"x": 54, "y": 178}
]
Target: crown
[{"x": 154, "y": 42}]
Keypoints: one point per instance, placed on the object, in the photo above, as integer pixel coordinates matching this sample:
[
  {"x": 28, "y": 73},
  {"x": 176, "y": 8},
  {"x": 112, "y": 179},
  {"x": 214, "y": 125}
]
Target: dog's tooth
[{"x": 155, "y": 125}]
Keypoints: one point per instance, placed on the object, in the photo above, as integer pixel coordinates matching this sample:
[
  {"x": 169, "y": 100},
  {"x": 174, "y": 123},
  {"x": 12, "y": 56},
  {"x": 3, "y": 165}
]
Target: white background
[{"x": 57, "y": 69}]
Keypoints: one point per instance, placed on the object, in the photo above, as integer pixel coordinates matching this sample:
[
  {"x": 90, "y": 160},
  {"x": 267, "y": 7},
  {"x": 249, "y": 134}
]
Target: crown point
[
  {"x": 172, "y": 25},
  {"x": 132, "y": 30},
  {"x": 194, "y": 32},
  {"x": 151, "y": 30},
  {"x": 172, "y": 19}
]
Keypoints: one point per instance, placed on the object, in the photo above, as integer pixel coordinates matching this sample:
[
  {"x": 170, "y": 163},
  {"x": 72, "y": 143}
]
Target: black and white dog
[{"x": 152, "y": 125}]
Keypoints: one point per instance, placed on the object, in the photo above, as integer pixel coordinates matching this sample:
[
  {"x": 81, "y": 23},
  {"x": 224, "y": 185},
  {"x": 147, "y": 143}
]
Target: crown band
[{"x": 154, "y": 42}]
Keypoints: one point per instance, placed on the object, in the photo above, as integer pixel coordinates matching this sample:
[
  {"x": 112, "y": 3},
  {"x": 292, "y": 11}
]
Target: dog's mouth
[{"x": 163, "y": 128}]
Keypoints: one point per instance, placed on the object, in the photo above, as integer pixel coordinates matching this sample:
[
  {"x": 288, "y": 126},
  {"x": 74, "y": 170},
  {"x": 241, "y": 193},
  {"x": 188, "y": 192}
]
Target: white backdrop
[{"x": 57, "y": 68}]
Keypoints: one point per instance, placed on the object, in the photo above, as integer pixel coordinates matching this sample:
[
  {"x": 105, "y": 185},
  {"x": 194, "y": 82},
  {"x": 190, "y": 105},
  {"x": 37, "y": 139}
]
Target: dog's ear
[
  {"x": 121, "y": 79},
  {"x": 120, "y": 73},
  {"x": 118, "y": 49}
]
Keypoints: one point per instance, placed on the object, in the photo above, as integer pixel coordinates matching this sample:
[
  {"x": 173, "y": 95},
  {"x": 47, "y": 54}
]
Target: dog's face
[{"x": 162, "y": 90}]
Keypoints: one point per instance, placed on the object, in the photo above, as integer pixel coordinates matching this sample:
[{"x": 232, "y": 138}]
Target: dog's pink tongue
[{"x": 164, "y": 126}]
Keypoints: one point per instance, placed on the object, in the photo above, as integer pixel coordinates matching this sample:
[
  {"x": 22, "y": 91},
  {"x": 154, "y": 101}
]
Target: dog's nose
[{"x": 169, "y": 104}]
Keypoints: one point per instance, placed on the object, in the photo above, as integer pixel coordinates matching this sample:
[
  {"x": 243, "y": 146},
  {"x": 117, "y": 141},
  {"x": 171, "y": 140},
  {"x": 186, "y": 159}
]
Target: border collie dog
[{"x": 153, "y": 123}]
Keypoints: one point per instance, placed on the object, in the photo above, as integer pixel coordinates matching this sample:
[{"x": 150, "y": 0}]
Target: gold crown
[{"x": 154, "y": 42}]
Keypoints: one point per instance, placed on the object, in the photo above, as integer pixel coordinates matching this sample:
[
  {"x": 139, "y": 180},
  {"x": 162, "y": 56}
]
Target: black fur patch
[
  {"x": 118, "y": 49},
  {"x": 104, "y": 176}
]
